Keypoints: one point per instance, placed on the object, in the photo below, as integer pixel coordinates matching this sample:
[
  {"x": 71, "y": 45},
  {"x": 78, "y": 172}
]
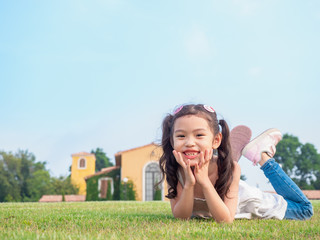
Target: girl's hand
[
  {"x": 190, "y": 179},
  {"x": 202, "y": 168}
]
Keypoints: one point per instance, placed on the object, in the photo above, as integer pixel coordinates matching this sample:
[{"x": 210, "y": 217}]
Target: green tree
[
  {"x": 300, "y": 161},
  {"x": 4, "y": 183},
  {"x": 62, "y": 186},
  {"x": 102, "y": 161},
  {"x": 24, "y": 179},
  {"x": 243, "y": 177},
  {"x": 39, "y": 183},
  {"x": 11, "y": 171},
  {"x": 34, "y": 176}
]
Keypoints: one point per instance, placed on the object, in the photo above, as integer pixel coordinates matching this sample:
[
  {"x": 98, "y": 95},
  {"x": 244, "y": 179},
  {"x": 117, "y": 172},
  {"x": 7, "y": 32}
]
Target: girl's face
[{"x": 192, "y": 135}]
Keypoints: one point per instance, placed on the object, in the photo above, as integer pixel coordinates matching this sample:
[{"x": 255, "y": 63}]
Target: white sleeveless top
[{"x": 252, "y": 203}]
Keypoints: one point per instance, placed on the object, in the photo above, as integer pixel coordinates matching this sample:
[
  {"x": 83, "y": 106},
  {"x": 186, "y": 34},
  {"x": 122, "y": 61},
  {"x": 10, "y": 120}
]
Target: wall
[
  {"x": 133, "y": 163},
  {"x": 77, "y": 175}
]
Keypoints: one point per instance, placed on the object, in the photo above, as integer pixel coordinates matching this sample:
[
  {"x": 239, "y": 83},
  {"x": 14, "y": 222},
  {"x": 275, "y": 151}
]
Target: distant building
[
  {"x": 83, "y": 164},
  {"x": 104, "y": 185},
  {"x": 59, "y": 198},
  {"x": 138, "y": 166},
  {"x": 312, "y": 194},
  {"x": 141, "y": 165},
  {"x": 51, "y": 198}
]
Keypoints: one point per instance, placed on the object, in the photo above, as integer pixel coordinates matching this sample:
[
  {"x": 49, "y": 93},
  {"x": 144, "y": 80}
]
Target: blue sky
[{"x": 77, "y": 75}]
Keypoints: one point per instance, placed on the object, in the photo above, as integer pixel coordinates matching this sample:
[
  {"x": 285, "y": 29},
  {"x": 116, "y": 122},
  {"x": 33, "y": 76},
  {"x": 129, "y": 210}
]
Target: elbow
[
  {"x": 181, "y": 216},
  {"x": 177, "y": 216},
  {"x": 228, "y": 220}
]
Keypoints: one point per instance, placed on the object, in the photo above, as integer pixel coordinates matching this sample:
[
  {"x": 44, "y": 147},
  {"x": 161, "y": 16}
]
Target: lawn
[{"x": 137, "y": 220}]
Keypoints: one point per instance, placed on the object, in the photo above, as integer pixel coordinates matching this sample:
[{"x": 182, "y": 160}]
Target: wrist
[
  {"x": 188, "y": 186},
  {"x": 205, "y": 183}
]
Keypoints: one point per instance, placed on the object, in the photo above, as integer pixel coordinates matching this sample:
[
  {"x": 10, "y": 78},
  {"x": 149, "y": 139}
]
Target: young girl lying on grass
[{"x": 200, "y": 165}]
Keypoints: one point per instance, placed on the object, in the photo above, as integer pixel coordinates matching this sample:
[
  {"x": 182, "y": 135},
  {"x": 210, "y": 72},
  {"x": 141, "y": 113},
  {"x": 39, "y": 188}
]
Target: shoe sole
[
  {"x": 253, "y": 141},
  {"x": 245, "y": 133}
]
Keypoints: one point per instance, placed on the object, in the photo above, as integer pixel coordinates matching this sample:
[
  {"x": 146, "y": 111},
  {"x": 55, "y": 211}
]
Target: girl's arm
[
  {"x": 182, "y": 204},
  {"x": 222, "y": 211}
]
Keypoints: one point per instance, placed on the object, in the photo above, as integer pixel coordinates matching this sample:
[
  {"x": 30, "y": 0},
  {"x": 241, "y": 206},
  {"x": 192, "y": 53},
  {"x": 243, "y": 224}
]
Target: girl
[{"x": 204, "y": 177}]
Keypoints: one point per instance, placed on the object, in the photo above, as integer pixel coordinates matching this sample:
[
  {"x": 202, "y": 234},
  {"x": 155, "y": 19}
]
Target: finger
[
  {"x": 189, "y": 170},
  {"x": 207, "y": 155},
  {"x": 181, "y": 159},
  {"x": 196, "y": 168},
  {"x": 178, "y": 158},
  {"x": 202, "y": 161},
  {"x": 188, "y": 166},
  {"x": 193, "y": 163}
]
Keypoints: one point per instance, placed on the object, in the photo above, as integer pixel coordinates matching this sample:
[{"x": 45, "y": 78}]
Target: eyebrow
[{"x": 195, "y": 130}]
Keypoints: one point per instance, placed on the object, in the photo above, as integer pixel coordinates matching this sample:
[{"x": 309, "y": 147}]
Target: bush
[
  {"x": 127, "y": 191},
  {"x": 93, "y": 191}
]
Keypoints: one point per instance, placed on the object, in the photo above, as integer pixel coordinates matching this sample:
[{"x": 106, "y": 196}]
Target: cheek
[{"x": 174, "y": 144}]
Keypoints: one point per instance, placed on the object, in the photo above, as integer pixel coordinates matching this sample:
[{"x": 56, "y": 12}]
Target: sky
[{"x": 78, "y": 75}]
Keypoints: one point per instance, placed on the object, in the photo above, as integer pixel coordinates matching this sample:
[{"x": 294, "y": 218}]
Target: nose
[{"x": 190, "y": 142}]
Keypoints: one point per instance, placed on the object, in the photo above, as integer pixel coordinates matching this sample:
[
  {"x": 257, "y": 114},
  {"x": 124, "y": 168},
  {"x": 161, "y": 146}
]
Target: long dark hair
[{"x": 168, "y": 164}]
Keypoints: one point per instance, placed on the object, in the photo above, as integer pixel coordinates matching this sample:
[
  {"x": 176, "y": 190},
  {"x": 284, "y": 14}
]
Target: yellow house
[
  {"x": 83, "y": 164},
  {"x": 141, "y": 165}
]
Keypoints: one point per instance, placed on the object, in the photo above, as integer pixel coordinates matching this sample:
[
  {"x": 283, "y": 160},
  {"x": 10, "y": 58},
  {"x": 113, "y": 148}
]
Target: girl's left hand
[{"x": 202, "y": 168}]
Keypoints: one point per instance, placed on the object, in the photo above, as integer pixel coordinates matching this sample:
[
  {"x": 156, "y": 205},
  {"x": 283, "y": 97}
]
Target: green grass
[{"x": 137, "y": 220}]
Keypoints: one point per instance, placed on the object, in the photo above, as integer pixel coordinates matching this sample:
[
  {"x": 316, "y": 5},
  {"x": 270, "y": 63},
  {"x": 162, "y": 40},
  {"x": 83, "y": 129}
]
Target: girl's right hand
[{"x": 190, "y": 178}]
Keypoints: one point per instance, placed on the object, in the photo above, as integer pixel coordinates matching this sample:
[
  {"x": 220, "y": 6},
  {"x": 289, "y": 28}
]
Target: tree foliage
[
  {"x": 243, "y": 177},
  {"x": 24, "y": 179},
  {"x": 300, "y": 161},
  {"x": 102, "y": 161}
]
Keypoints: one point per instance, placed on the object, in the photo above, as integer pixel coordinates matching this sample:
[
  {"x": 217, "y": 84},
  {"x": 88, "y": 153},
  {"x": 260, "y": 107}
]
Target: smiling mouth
[{"x": 191, "y": 155}]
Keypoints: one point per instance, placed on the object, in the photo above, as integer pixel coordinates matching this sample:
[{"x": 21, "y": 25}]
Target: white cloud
[{"x": 197, "y": 43}]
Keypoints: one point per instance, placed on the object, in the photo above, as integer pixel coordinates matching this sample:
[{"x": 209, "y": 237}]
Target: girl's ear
[{"x": 217, "y": 140}]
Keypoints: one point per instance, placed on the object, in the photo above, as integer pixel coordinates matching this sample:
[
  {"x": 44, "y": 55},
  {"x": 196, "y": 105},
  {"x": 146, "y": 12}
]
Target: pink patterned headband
[{"x": 206, "y": 107}]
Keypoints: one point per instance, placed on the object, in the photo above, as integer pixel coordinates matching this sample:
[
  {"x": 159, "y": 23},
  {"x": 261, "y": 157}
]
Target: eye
[
  {"x": 200, "y": 135},
  {"x": 180, "y": 136}
]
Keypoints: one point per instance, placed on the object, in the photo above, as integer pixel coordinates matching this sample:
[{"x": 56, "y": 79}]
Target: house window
[
  {"x": 82, "y": 163},
  {"x": 152, "y": 177}
]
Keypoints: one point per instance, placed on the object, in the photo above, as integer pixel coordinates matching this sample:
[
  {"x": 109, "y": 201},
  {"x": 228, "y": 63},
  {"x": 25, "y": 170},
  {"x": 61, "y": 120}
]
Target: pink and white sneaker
[
  {"x": 239, "y": 137},
  {"x": 265, "y": 142}
]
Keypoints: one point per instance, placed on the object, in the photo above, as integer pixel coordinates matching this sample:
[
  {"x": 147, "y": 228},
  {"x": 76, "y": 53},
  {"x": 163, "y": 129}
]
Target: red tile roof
[
  {"x": 132, "y": 149},
  {"x": 75, "y": 198},
  {"x": 58, "y": 198},
  {"x": 51, "y": 198},
  {"x": 103, "y": 171},
  {"x": 312, "y": 194}
]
